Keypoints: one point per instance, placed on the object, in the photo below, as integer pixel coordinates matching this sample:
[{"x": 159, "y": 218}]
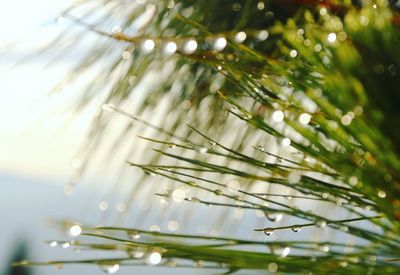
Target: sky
[{"x": 39, "y": 133}]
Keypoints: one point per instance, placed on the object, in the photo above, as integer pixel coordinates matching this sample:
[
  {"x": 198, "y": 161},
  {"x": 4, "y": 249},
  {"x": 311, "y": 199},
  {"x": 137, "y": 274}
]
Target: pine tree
[{"x": 286, "y": 109}]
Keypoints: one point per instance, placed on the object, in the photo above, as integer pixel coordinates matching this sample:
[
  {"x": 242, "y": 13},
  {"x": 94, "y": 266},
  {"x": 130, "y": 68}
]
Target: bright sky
[{"x": 39, "y": 136}]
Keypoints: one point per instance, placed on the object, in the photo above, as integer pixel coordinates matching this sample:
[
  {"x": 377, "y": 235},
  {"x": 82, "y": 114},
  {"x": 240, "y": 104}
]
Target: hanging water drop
[
  {"x": 194, "y": 199},
  {"x": 240, "y": 37},
  {"x": 137, "y": 253},
  {"x": 52, "y": 243},
  {"x": 295, "y": 229},
  {"x": 109, "y": 268},
  {"x": 260, "y": 148},
  {"x": 198, "y": 264},
  {"x": 134, "y": 235},
  {"x": 203, "y": 150},
  {"x": 108, "y": 107},
  {"x": 294, "y": 177},
  {"x": 190, "y": 46},
  {"x": 278, "y": 116},
  {"x": 325, "y": 248},
  {"x": 75, "y": 230},
  {"x": 179, "y": 195},
  {"x": 170, "y": 48},
  {"x": 233, "y": 186},
  {"x": 65, "y": 244},
  {"x": 154, "y": 258},
  {"x": 148, "y": 45},
  {"x": 262, "y": 35},
  {"x": 268, "y": 231},
  {"x": 220, "y": 44},
  {"x": 285, "y": 252},
  {"x": 321, "y": 223},
  {"x": 277, "y": 217},
  {"x": 305, "y": 118}
]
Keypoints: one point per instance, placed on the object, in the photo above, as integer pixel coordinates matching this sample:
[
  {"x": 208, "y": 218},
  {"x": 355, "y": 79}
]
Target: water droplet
[
  {"x": 381, "y": 194},
  {"x": 342, "y": 36},
  {"x": 194, "y": 199},
  {"x": 304, "y": 118},
  {"x": 364, "y": 21},
  {"x": 170, "y": 48},
  {"x": 295, "y": 229},
  {"x": 65, "y": 244},
  {"x": 190, "y": 46},
  {"x": 233, "y": 186},
  {"x": 268, "y": 231},
  {"x": 109, "y": 268},
  {"x": 131, "y": 80},
  {"x": 108, "y": 107},
  {"x": 121, "y": 207},
  {"x": 278, "y": 116},
  {"x": 286, "y": 142},
  {"x": 277, "y": 217},
  {"x": 293, "y": 53},
  {"x": 75, "y": 230},
  {"x": 218, "y": 192},
  {"x": 125, "y": 55},
  {"x": 344, "y": 228},
  {"x": 325, "y": 248},
  {"x": 203, "y": 150},
  {"x": 179, "y": 195},
  {"x": 148, "y": 45},
  {"x": 272, "y": 267},
  {"x": 260, "y": 148},
  {"x": 192, "y": 183},
  {"x": 155, "y": 228},
  {"x": 52, "y": 243},
  {"x": 137, "y": 252},
  {"x": 353, "y": 181},
  {"x": 392, "y": 69},
  {"x": 103, "y": 205},
  {"x": 154, "y": 258},
  {"x": 262, "y": 35},
  {"x": 134, "y": 235},
  {"x": 240, "y": 37},
  {"x": 116, "y": 29},
  {"x": 198, "y": 264},
  {"x": 346, "y": 120},
  {"x": 294, "y": 177},
  {"x": 317, "y": 48},
  {"x": 171, "y": 263},
  {"x": 220, "y": 44},
  {"x": 331, "y": 37},
  {"x": 173, "y": 225},
  {"x": 260, "y": 5},
  {"x": 321, "y": 223},
  {"x": 285, "y": 252}
]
